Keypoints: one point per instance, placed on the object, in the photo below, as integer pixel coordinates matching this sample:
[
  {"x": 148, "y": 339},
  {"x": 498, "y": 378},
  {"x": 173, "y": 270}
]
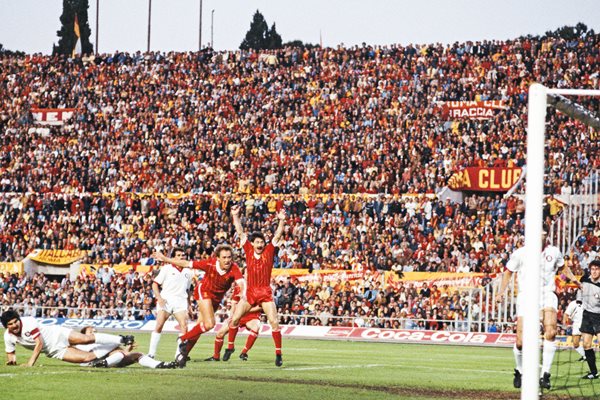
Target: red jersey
[
  {"x": 259, "y": 269},
  {"x": 217, "y": 281}
]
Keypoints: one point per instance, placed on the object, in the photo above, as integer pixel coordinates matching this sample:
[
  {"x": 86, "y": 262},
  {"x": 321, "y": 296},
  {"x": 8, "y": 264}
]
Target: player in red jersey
[
  {"x": 250, "y": 321},
  {"x": 259, "y": 263},
  {"x": 221, "y": 272}
]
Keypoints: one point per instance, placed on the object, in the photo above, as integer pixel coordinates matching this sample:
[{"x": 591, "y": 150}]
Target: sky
[{"x": 31, "y": 25}]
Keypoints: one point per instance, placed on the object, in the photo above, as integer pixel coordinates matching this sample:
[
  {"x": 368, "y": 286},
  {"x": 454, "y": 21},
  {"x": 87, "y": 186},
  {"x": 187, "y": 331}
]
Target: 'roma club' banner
[
  {"x": 471, "y": 109},
  {"x": 485, "y": 179},
  {"x": 52, "y": 116},
  {"x": 57, "y": 257}
]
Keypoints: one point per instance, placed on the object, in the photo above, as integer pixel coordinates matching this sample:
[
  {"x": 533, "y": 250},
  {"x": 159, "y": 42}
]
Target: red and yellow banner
[
  {"x": 52, "y": 116},
  {"x": 91, "y": 269},
  {"x": 454, "y": 280},
  {"x": 471, "y": 109},
  {"x": 319, "y": 276},
  {"x": 57, "y": 257},
  {"x": 497, "y": 179},
  {"x": 11, "y": 267}
]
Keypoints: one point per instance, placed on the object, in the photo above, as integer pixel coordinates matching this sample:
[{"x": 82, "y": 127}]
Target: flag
[{"x": 77, "y": 47}]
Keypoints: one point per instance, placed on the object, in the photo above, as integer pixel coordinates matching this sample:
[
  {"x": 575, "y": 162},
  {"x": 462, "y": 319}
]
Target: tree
[
  {"x": 67, "y": 40},
  {"x": 273, "y": 39},
  {"x": 300, "y": 44},
  {"x": 259, "y": 36},
  {"x": 570, "y": 32}
]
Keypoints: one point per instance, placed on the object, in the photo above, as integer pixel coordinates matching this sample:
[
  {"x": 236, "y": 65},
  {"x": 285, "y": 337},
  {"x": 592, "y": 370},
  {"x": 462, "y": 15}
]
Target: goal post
[{"x": 539, "y": 98}]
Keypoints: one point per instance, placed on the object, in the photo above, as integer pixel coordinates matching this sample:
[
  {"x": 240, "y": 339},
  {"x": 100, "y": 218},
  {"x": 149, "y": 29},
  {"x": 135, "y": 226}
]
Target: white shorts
[
  {"x": 99, "y": 350},
  {"x": 174, "y": 305},
  {"x": 575, "y": 329},
  {"x": 547, "y": 300},
  {"x": 56, "y": 342}
]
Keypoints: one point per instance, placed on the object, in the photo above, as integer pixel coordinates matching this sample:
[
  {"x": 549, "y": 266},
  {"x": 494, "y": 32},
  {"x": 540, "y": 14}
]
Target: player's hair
[
  {"x": 223, "y": 247},
  {"x": 176, "y": 249},
  {"x": 85, "y": 328},
  {"x": 595, "y": 263},
  {"x": 256, "y": 235},
  {"x": 8, "y": 316}
]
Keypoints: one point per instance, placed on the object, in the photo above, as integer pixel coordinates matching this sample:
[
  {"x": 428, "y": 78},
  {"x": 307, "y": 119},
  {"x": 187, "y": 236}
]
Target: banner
[
  {"x": 57, "y": 257},
  {"x": 11, "y": 267},
  {"x": 471, "y": 109},
  {"x": 346, "y": 333},
  {"x": 454, "y": 280},
  {"x": 318, "y": 276},
  {"x": 91, "y": 269},
  {"x": 52, "y": 116},
  {"x": 495, "y": 179}
]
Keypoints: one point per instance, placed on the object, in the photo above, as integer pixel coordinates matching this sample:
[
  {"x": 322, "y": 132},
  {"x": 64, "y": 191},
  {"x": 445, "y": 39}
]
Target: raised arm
[
  {"x": 280, "y": 227},
  {"x": 237, "y": 223},
  {"x": 180, "y": 263},
  {"x": 570, "y": 275}
]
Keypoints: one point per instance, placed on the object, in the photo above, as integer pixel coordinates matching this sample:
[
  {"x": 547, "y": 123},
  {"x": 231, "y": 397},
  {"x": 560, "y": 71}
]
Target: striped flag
[{"x": 77, "y": 47}]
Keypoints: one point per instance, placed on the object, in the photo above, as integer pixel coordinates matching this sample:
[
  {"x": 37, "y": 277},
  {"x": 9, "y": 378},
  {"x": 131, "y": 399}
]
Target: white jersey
[
  {"x": 575, "y": 312},
  {"x": 551, "y": 261},
  {"x": 174, "y": 281},
  {"x": 30, "y": 331}
]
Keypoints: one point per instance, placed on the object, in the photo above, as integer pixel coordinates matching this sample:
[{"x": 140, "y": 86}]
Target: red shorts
[
  {"x": 258, "y": 295},
  {"x": 249, "y": 317},
  {"x": 200, "y": 294}
]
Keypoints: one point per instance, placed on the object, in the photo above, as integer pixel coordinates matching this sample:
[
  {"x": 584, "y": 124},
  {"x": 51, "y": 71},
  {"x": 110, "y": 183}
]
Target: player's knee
[
  {"x": 208, "y": 325},
  {"x": 550, "y": 333},
  {"x": 274, "y": 323}
]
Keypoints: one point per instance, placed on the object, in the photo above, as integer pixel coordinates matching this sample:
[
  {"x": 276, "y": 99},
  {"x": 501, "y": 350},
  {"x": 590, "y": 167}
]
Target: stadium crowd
[{"x": 352, "y": 142}]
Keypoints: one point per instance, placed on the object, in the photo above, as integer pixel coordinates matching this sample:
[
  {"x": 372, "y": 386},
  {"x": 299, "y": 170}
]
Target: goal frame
[{"x": 539, "y": 98}]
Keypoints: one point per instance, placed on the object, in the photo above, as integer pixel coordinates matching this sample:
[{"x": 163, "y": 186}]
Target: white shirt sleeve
[
  {"x": 160, "y": 278},
  {"x": 9, "y": 343},
  {"x": 571, "y": 309},
  {"x": 560, "y": 261},
  {"x": 515, "y": 261}
]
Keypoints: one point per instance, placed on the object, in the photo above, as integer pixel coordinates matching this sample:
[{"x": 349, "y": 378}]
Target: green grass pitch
[{"x": 312, "y": 370}]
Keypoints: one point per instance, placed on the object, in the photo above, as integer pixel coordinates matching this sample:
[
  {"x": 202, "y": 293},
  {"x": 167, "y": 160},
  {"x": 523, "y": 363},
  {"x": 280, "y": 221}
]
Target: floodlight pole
[{"x": 534, "y": 195}]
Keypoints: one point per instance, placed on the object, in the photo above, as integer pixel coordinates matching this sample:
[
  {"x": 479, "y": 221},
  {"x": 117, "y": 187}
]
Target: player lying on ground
[
  {"x": 112, "y": 355},
  {"x": 54, "y": 341}
]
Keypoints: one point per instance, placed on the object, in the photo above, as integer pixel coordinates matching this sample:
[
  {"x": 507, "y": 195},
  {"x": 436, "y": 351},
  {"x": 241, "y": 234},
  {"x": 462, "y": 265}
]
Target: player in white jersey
[
  {"x": 573, "y": 316},
  {"x": 551, "y": 261},
  {"x": 54, "y": 341},
  {"x": 171, "y": 290},
  {"x": 112, "y": 355}
]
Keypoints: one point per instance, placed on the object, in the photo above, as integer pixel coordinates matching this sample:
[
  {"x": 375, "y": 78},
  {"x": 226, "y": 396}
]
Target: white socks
[
  {"x": 114, "y": 359},
  {"x": 580, "y": 351},
  {"x": 154, "y": 339},
  {"x": 148, "y": 362},
  {"x": 548, "y": 355},
  {"x": 105, "y": 338},
  {"x": 518, "y": 358}
]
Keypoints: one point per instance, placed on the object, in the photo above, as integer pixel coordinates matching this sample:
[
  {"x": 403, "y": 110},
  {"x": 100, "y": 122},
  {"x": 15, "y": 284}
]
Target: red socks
[
  {"x": 231, "y": 337},
  {"x": 250, "y": 341},
  {"x": 277, "y": 339},
  {"x": 194, "y": 333},
  {"x": 218, "y": 347}
]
